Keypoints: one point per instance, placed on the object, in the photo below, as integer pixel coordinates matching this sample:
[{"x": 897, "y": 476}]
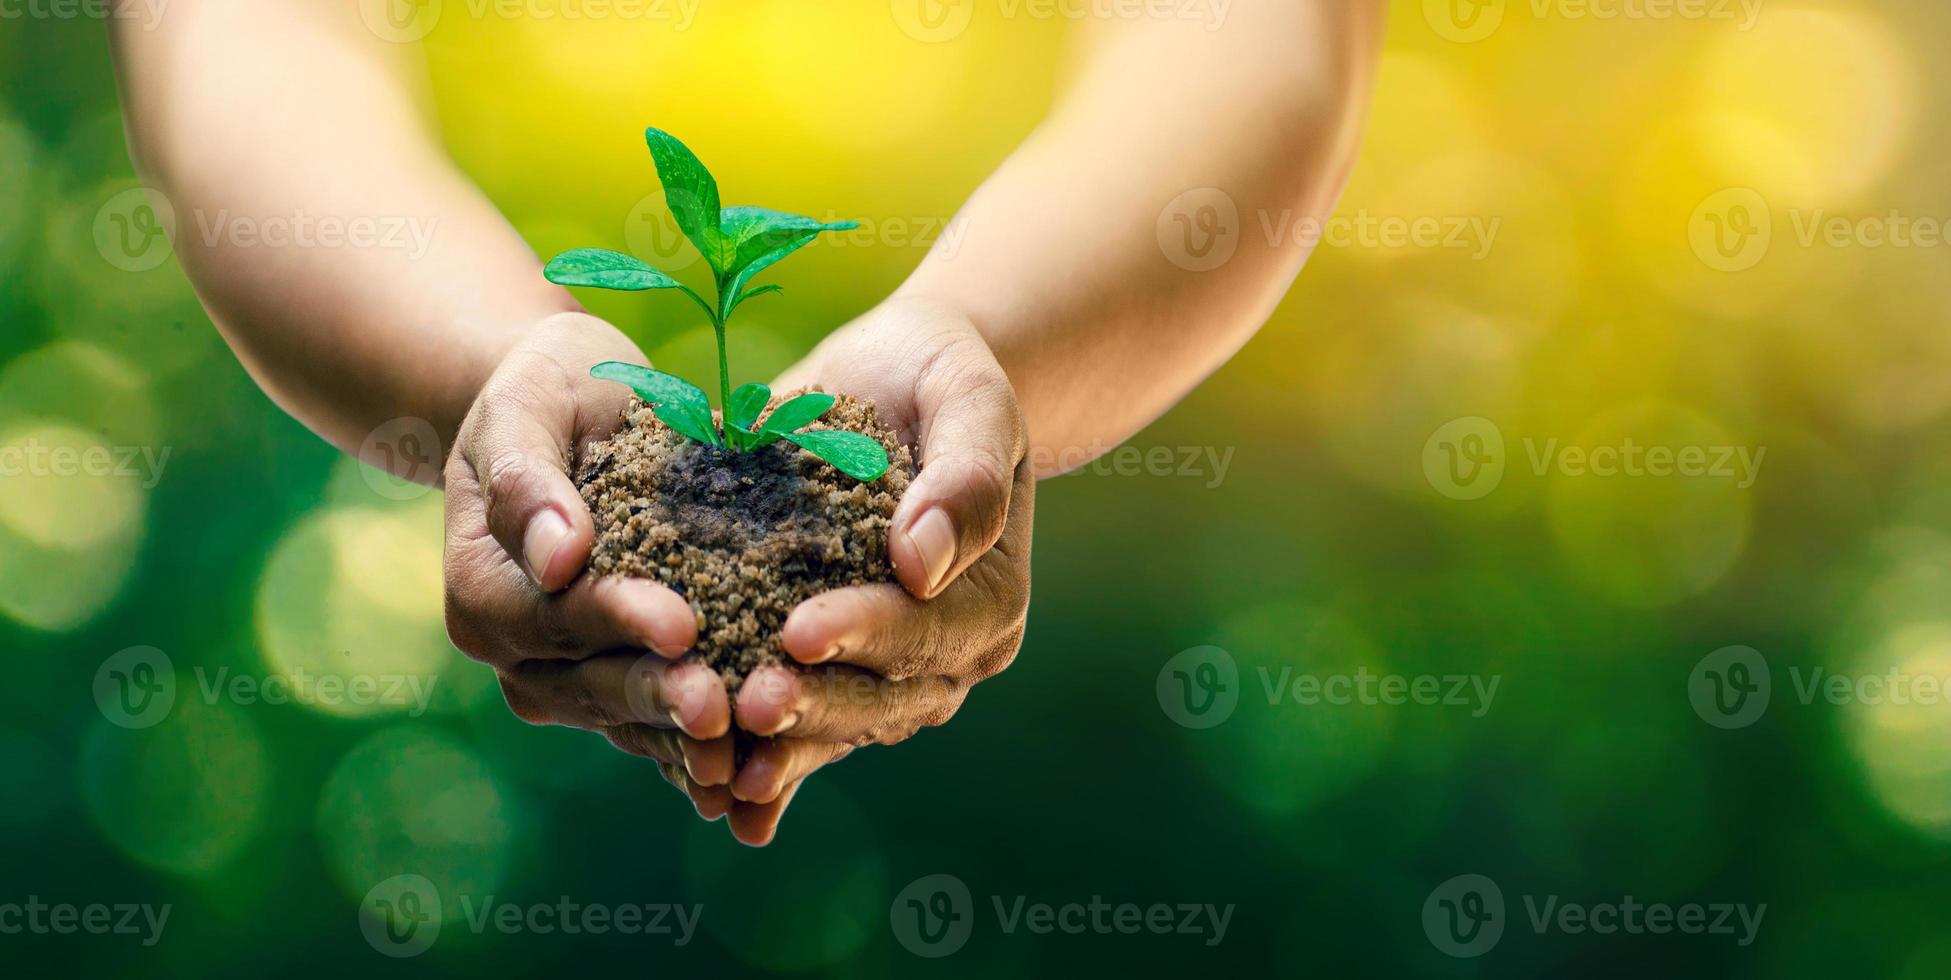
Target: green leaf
[
  {"x": 677, "y": 403},
  {"x": 851, "y": 453},
  {"x": 794, "y": 415},
  {"x": 689, "y": 190},
  {"x": 747, "y": 402},
  {"x": 763, "y": 262},
  {"x": 605, "y": 269},
  {"x": 748, "y": 294},
  {"x": 750, "y": 233}
]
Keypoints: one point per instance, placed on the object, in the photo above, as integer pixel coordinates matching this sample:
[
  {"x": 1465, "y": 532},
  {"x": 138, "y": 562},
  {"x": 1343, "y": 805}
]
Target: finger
[
  {"x": 971, "y": 630},
  {"x": 754, "y": 824},
  {"x": 844, "y": 704},
  {"x": 884, "y": 629},
  {"x": 496, "y": 615},
  {"x": 620, "y": 690},
  {"x": 519, "y": 441},
  {"x": 711, "y": 802},
  {"x": 780, "y": 762},
  {"x": 971, "y": 440},
  {"x": 710, "y": 762},
  {"x": 657, "y": 744}
]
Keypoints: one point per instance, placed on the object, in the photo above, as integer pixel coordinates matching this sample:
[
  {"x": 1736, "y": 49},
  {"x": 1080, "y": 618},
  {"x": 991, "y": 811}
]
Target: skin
[{"x": 1055, "y": 329}]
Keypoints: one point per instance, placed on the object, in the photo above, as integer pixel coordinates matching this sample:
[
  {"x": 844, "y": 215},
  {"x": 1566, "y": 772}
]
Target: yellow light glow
[{"x": 1834, "y": 87}]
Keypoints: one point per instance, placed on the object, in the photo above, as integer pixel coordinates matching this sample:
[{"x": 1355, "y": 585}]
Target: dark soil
[{"x": 742, "y": 536}]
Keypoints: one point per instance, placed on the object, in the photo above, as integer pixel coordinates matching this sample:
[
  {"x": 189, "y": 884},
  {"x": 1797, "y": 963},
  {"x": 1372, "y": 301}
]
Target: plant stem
[
  {"x": 724, "y": 369},
  {"x": 724, "y": 383}
]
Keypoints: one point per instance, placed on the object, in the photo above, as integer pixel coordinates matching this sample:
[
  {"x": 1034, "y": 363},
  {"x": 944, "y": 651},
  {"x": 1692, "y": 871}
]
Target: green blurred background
[{"x": 1600, "y": 309}]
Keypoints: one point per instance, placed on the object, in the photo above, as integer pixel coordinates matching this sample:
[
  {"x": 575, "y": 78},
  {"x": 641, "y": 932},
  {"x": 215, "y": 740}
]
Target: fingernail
[
  {"x": 933, "y": 537},
  {"x": 539, "y": 543}
]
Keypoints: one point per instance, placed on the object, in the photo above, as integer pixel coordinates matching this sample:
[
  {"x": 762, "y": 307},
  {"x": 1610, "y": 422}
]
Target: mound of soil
[{"x": 742, "y": 536}]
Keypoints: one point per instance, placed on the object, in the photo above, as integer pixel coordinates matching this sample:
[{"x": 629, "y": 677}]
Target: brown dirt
[{"x": 743, "y": 537}]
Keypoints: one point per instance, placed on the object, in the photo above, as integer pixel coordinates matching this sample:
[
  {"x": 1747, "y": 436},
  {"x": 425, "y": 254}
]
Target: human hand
[
  {"x": 568, "y": 647},
  {"x": 883, "y": 661}
]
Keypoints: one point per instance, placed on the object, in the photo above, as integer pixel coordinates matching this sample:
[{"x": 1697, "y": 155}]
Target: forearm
[
  {"x": 358, "y": 276},
  {"x": 1098, "y": 318}
]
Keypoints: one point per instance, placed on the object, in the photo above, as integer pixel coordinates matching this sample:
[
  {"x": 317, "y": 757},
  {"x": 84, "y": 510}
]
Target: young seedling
[{"x": 738, "y": 243}]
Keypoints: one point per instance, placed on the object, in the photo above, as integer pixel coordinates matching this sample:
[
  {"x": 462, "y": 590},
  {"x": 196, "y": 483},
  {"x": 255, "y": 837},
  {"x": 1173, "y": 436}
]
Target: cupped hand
[
  {"x": 570, "y": 649},
  {"x": 880, "y": 662}
]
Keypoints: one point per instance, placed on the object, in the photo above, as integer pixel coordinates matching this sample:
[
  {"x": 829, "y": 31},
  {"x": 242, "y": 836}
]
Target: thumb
[
  {"x": 519, "y": 444},
  {"x": 971, "y": 439}
]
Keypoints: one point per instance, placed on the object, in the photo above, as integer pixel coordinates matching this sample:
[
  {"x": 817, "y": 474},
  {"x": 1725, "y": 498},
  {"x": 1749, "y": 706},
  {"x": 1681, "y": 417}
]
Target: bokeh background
[{"x": 1629, "y": 166}]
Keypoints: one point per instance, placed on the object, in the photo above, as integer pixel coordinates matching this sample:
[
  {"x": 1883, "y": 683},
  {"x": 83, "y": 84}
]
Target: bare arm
[
  {"x": 1099, "y": 319},
  {"x": 257, "y": 117}
]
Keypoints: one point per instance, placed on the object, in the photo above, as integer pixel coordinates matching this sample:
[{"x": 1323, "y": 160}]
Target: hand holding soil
[
  {"x": 566, "y": 646},
  {"x": 876, "y": 663}
]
